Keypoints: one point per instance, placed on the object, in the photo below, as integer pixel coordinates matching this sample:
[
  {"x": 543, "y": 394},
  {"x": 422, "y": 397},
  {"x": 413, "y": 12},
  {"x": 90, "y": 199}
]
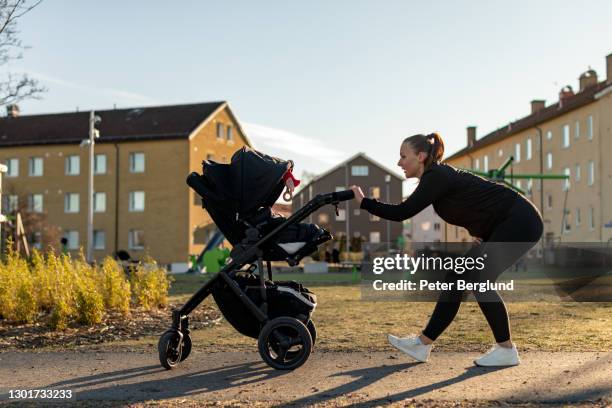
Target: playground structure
[
  {"x": 500, "y": 175},
  {"x": 212, "y": 258}
]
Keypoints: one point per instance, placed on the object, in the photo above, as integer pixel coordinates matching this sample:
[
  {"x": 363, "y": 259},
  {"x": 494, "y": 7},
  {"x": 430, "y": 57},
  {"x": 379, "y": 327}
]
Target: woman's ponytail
[{"x": 431, "y": 144}]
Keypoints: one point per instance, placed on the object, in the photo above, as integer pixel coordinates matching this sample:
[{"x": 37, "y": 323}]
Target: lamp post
[{"x": 90, "y": 142}]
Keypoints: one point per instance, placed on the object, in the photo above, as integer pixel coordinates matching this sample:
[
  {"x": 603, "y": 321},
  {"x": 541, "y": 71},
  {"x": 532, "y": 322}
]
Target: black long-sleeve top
[{"x": 458, "y": 197}]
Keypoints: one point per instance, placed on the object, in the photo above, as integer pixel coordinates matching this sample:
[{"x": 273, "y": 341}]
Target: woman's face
[{"x": 411, "y": 162}]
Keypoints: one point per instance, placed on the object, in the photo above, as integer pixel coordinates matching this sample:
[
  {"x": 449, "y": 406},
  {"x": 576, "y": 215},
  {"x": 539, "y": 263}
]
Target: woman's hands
[{"x": 358, "y": 194}]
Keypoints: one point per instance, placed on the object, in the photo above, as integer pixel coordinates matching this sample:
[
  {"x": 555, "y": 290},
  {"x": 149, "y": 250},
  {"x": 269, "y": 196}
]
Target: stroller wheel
[
  {"x": 170, "y": 349},
  {"x": 284, "y": 343},
  {"x": 186, "y": 349}
]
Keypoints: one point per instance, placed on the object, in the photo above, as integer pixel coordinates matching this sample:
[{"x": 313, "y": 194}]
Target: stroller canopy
[{"x": 251, "y": 180}]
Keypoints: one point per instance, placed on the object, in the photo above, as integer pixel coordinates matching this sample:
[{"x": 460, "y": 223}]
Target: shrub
[
  {"x": 150, "y": 285},
  {"x": 116, "y": 288},
  {"x": 67, "y": 289}
]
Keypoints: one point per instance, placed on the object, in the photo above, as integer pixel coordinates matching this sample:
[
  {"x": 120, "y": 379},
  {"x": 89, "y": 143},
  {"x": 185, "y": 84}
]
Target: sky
[{"x": 318, "y": 81}]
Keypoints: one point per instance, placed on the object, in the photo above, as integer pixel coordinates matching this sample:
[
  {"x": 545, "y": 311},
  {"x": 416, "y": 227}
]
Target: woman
[{"x": 491, "y": 212}]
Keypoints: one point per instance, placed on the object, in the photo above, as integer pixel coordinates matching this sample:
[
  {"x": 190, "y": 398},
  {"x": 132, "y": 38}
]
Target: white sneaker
[
  {"x": 412, "y": 346},
  {"x": 499, "y": 356}
]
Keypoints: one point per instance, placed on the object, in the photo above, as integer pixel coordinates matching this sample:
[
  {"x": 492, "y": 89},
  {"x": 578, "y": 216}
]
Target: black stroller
[{"x": 239, "y": 196}]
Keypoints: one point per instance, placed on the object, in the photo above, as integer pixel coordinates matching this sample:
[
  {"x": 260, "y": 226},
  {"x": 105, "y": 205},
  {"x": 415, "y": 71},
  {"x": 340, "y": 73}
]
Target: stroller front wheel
[
  {"x": 284, "y": 343},
  {"x": 170, "y": 349}
]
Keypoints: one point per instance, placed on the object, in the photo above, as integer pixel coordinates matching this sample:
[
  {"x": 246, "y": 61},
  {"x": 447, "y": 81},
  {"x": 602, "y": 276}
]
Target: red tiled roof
[
  {"x": 158, "y": 122},
  {"x": 574, "y": 102}
]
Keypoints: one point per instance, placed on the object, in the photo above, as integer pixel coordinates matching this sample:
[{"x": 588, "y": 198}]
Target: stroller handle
[{"x": 343, "y": 195}]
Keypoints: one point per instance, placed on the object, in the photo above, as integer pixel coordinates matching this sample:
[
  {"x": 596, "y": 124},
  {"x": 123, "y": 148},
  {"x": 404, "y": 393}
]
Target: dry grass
[{"x": 346, "y": 323}]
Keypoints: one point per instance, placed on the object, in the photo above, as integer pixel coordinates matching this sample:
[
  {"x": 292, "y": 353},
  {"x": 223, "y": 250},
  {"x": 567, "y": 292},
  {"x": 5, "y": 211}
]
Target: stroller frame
[{"x": 175, "y": 344}]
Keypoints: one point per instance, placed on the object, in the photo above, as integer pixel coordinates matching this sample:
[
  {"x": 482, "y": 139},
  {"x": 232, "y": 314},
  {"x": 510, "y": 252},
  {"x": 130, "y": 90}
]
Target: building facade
[
  {"x": 376, "y": 182},
  {"x": 426, "y": 226},
  {"x": 571, "y": 137},
  {"x": 142, "y": 158}
]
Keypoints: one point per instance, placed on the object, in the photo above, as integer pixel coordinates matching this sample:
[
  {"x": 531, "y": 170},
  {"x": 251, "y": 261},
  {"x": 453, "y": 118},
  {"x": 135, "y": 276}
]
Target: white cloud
[
  {"x": 117, "y": 95},
  {"x": 284, "y": 140}
]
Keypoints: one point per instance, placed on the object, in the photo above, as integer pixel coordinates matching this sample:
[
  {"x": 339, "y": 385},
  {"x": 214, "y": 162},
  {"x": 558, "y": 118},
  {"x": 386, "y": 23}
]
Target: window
[
  {"x": 529, "y": 186},
  {"x": 589, "y": 129},
  {"x": 137, "y": 162},
  {"x": 374, "y": 218},
  {"x": 100, "y": 164},
  {"x": 13, "y": 203},
  {"x": 137, "y": 201},
  {"x": 566, "y": 136},
  {"x": 577, "y": 129},
  {"x": 13, "y": 167},
  {"x": 35, "y": 203},
  {"x": 485, "y": 164},
  {"x": 73, "y": 164},
  {"x": 73, "y": 239},
  {"x": 591, "y": 218},
  {"x": 517, "y": 153},
  {"x": 375, "y": 237},
  {"x": 518, "y": 184},
  {"x": 229, "y": 132},
  {"x": 35, "y": 166},
  {"x": 99, "y": 202},
  {"x": 567, "y": 225},
  {"x": 341, "y": 215},
  {"x": 219, "y": 130},
  {"x": 477, "y": 164},
  {"x": 356, "y": 212},
  {"x": 549, "y": 160},
  {"x": 591, "y": 173},
  {"x": 577, "y": 173},
  {"x": 99, "y": 239},
  {"x": 425, "y": 225},
  {"x": 359, "y": 170},
  {"x": 528, "y": 149},
  {"x": 136, "y": 239},
  {"x": 578, "y": 221},
  {"x": 549, "y": 201},
  {"x": 71, "y": 202},
  {"x": 340, "y": 188},
  {"x": 375, "y": 192},
  {"x": 566, "y": 182},
  {"x": 436, "y": 226},
  {"x": 549, "y": 135},
  {"x": 323, "y": 218},
  {"x": 500, "y": 153},
  {"x": 210, "y": 157}
]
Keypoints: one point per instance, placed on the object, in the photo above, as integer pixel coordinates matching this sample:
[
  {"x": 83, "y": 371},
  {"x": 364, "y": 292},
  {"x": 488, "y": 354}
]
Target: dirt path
[{"x": 334, "y": 378}]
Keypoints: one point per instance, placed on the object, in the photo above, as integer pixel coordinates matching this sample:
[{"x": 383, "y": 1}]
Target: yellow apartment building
[
  {"x": 572, "y": 136},
  {"x": 142, "y": 158}
]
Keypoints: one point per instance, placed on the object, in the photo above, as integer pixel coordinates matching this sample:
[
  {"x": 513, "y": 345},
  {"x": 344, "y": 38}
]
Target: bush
[
  {"x": 150, "y": 285},
  {"x": 66, "y": 290}
]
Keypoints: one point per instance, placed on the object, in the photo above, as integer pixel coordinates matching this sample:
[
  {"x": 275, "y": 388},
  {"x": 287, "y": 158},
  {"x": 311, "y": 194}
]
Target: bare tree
[{"x": 15, "y": 87}]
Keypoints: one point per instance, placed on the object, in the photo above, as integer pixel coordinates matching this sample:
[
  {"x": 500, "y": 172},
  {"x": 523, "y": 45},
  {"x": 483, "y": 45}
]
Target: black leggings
[{"x": 519, "y": 230}]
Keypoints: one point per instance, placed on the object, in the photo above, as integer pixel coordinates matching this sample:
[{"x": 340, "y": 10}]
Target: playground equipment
[
  {"x": 501, "y": 176},
  {"x": 212, "y": 257}
]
